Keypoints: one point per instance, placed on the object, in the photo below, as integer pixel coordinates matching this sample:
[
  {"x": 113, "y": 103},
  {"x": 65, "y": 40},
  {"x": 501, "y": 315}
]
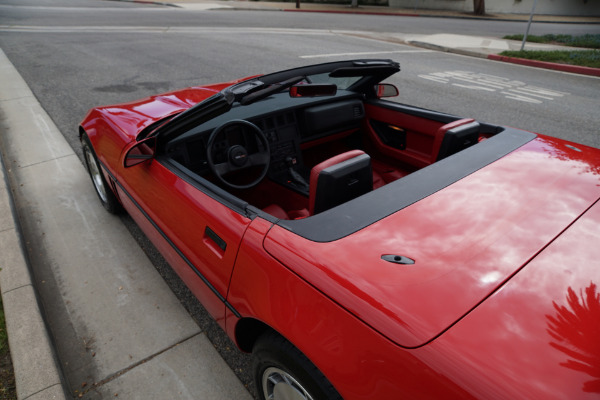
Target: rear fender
[{"x": 348, "y": 352}]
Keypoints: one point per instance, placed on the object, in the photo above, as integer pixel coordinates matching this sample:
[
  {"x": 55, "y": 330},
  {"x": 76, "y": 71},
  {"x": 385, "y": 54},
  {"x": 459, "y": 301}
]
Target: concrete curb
[
  {"x": 575, "y": 69},
  {"x": 431, "y": 46},
  {"x": 37, "y": 372}
]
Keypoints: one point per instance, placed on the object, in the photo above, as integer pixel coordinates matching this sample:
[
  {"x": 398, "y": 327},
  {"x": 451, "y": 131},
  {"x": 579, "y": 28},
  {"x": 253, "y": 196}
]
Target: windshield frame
[{"x": 368, "y": 72}]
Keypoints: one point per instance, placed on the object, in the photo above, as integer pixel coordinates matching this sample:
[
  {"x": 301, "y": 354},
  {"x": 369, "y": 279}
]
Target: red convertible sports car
[{"x": 362, "y": 248}]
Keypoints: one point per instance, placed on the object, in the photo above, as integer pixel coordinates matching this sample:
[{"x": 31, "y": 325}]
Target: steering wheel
[{"x": 238, "y": 157}]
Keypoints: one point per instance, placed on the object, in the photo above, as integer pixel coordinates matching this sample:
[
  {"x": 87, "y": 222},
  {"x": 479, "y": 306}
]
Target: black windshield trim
[{"x": 389, "y": 66}]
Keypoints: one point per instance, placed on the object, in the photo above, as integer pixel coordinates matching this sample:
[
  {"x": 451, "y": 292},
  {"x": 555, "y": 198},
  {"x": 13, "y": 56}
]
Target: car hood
[
  {"x": 133, "y": 117},
  {"x": 467, "y": 240}
]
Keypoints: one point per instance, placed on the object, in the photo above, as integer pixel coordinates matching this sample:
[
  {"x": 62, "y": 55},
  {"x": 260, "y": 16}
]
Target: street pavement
[
  {"x": 484, "y": 47},
  {"x": 127, "y": 326}
]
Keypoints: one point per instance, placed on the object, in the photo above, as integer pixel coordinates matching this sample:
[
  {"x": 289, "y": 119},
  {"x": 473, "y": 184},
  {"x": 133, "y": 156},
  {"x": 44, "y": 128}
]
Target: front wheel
[
  {"x": 282, "y": 372},
  {"x": 105, "y": 194}
]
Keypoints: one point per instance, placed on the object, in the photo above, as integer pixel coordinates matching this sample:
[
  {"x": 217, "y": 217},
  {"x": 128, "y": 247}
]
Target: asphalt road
[
  {"x": 78, "y": 54},
  {"x": 82, "y": 53}
]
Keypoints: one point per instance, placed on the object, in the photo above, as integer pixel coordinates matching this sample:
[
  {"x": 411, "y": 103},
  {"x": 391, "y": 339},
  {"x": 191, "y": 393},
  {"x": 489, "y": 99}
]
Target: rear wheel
[
  {"x": 282, "y": 372},
  {"x": 105, "y": 194}
]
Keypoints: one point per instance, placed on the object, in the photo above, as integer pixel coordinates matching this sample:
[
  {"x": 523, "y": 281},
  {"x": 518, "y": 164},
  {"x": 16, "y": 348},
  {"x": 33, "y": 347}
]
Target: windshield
[
  {"x": 356, "y": 75},
  {"x": 341, "y": 83}
]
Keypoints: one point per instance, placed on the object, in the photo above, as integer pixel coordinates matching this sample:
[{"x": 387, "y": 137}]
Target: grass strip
[
  {"x": 590, "y": 41},
  {"x": 583, "y": 58},
  {"x": 8, "y": 389},
  {"x": 3, "y": 334}
]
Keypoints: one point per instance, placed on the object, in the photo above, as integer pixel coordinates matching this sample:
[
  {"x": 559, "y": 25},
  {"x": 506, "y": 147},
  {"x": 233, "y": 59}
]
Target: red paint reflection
[
  {"x": 576, "y": 332},
  {"x": 573, "y": 153}
]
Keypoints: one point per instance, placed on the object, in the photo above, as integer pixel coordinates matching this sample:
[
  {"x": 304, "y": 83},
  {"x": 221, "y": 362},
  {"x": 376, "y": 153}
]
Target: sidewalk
[{"x": 114, "y": 320}]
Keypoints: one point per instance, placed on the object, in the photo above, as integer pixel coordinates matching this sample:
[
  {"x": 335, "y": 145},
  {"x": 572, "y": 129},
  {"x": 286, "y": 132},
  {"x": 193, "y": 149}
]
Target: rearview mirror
[
  {"x": 140, "y": 152},
  {"x": 386, "y": 90},
  {"x": 313, "y": 90}
]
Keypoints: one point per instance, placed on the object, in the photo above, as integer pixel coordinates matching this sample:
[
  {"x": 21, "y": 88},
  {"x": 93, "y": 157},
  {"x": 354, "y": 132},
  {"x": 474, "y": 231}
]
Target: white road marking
[
  {"x": 160, "y": 29},
  {"x": 141, "y": 7},
  {"x": 511, "y": 89},
  {"x": 433, "y": 78},
  {"x": 546, "y": 92},
  {"x": 513, "y": 96},
  {"x": 481, "y": 82},
  {"x": 531, "y": 94},
  {"x": 474, "y": 87}
]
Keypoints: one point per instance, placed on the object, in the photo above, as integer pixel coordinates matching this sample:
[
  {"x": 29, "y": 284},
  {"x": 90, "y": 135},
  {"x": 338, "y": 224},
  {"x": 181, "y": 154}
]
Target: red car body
[{"x": 500, "y": 302}]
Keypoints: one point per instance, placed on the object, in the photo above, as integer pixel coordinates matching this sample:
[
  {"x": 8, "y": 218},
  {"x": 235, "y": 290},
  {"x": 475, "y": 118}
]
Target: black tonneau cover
[{"x": 363, "y": 211}]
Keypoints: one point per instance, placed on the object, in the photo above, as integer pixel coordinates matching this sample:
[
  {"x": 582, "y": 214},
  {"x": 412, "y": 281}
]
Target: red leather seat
[
  {"x": 339, "y": 179},
  {"x": 276, "y": 211},
  {"x": 384, "y": 174},
  {"x": 333, "y": 182},
  {"x": 441, "y": 132}
]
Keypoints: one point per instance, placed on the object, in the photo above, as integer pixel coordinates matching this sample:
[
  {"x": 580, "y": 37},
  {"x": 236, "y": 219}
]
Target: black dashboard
[{"x": 286, "y": 122}]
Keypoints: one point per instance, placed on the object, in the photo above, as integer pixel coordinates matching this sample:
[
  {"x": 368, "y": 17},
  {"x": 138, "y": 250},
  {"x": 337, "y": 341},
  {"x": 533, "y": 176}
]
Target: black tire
[
  {"x": 282, "y": 371},
  {"x": 103, "y": 190}
]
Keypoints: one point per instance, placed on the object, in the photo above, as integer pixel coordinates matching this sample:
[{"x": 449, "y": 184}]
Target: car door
[{"x": 196, "y": 232}]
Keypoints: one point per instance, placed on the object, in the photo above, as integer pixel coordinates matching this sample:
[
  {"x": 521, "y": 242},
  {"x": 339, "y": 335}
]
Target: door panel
[
  {"x": 420, "y": 131},
  {"x": 198, "y": 235}
]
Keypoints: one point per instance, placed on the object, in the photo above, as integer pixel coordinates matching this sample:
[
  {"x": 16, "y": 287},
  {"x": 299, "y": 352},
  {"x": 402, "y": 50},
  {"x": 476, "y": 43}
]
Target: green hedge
[
  {"x": 588, "y": 41},
  {"x": 584, "y": 58}
]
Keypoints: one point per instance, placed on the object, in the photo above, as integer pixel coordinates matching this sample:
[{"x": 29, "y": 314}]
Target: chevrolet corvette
[{"x": 362, "y": 248}]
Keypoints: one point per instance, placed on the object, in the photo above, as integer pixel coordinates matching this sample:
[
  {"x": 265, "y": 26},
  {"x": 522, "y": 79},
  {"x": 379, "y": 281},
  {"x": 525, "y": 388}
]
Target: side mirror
[
  {"x": 313, "y": 90},
  {"x": 140, "y": 152},
  {"x": 386, "y": 90}
]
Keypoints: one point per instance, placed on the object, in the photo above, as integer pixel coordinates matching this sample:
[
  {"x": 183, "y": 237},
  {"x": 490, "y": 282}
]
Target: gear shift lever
[{"x": 295, "y": 176}]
